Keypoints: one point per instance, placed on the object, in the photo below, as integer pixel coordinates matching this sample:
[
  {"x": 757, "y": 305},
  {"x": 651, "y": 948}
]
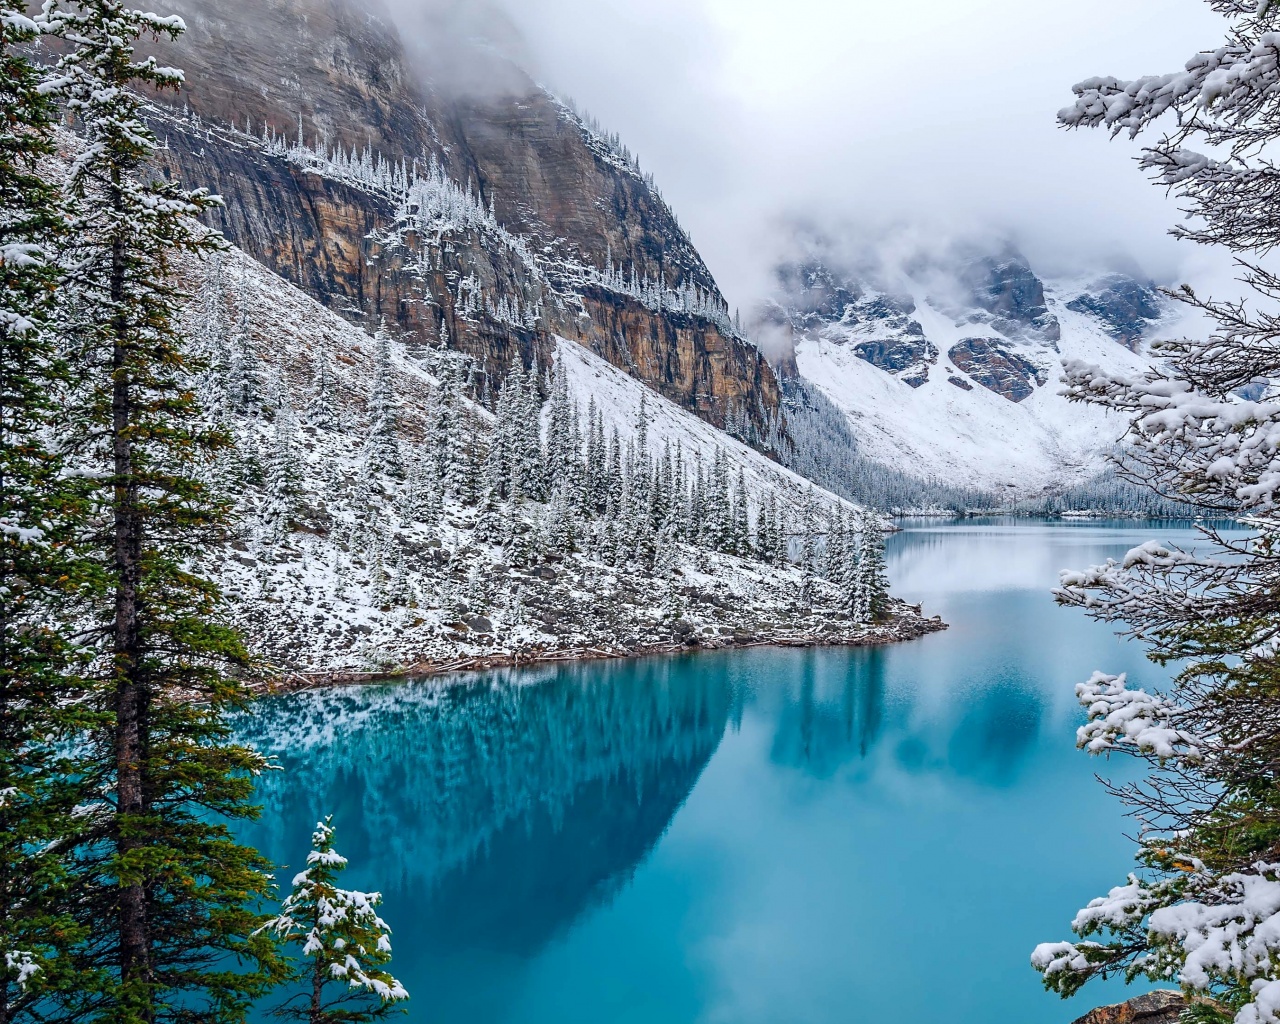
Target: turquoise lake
[{"x": 757, "y": 837}]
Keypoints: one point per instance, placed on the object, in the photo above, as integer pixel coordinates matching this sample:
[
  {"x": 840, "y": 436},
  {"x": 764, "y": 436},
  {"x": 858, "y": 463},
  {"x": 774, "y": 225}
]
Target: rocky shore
[{"x": 906, "y": 623}]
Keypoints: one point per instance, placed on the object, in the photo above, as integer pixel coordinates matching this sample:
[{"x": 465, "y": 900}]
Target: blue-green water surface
[{"x": 755, "y": 837}]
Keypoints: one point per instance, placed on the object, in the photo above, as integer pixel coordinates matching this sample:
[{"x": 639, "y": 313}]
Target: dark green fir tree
[
  {"x": 41, "y": 575},
  {"x": 172, "y": 894}
]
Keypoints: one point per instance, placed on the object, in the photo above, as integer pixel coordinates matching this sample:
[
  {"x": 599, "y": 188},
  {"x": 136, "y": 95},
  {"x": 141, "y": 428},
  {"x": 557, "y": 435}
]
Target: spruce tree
[
  {"x": 382, "y": 448},
  {"x": 283, "y": 473},
  {"x": 322, "y": 405},
  {"x": 244, "y": 372},
  {"x": 214, "y": 340},
  {"x": 808, "y": 535},
  {"x": 44, "y": 568},
  {"x": 171, "y": 892},
  {"x": 741, "y": 532},
  {"x": 873, "y": 579},
  {"x": 345, "y": 945}
]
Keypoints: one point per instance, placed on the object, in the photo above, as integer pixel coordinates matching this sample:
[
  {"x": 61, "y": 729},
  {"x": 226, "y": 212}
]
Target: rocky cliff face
[{"x": 485, "y": 223}]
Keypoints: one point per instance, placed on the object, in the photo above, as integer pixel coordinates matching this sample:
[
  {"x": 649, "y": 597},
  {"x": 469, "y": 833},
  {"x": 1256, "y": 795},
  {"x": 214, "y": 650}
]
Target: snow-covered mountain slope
[
  {"x": 391, "y": 515},
  {"x": 620, "y": 396},
  {"x": 953, "y": 370}
]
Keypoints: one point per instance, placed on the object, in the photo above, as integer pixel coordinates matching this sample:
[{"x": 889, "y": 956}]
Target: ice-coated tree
[
  {"x": 168, "y": 891},
  {"x": 345, "y": 946},
  {"x": 1203, "y": 909},
  {"x": 43, "y": 563}
]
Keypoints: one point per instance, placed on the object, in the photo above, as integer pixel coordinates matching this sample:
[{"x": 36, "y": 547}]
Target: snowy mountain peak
[{"x": 947, "y": 364}]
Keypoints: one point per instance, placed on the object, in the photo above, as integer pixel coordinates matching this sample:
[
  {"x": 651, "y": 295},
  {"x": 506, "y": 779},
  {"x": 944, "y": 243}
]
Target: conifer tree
[
  {"x": 42, "y": 564},
  {"x": 214, "y": 340},
  {"x": 873, "y": 580},
  {"x": 171, "y": 892},
  {"x": 283, "y": 473},
  {"x": 471, "y": 483},
  {"x": 808, "y": 535},
  {"x": 382, "y": 448},
  {"x": 322, "y": 405},
  {"x": 1200, "y": 912},
  {"x": 741, "y": 534},
  {"x": 527, "y": 452},
  {"x": 498, "y": 468},
  {"x": 345, "y": 945},
  {"x": 596, "y": 472},
  {"x": 244, "y": 373},
  {"x": 444, "y": 433}
]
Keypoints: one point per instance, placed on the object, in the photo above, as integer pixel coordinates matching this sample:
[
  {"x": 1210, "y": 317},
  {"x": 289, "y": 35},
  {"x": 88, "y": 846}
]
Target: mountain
[
  {"x": 949, "y": 368},
  {"x": 384, "y": 521},
  {"x": 489, "y": 217}
]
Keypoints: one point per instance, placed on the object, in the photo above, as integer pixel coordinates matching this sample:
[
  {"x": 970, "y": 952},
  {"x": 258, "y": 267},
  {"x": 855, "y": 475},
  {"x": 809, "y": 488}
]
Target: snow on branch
[
  {"x": 1230, "y": 444},
  {"x": 1120, "y": 718},
  {"x": 23, "y": 966},
  {"x": 1231, "y": 80}
]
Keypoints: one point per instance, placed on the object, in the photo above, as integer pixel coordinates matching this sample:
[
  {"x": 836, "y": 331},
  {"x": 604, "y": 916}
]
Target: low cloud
[{"x": 930, "y": 121}]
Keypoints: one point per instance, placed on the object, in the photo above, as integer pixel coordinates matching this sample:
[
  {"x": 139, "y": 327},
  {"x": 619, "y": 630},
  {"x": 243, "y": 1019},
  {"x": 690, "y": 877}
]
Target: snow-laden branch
[
  {"x": 23, "y": 966},
  {"x": 1122, "y": 718},
  {"x": 1229, "y": 80},
  {"x": 1219, "y": 930},
  {"x": 1229, "y": 444}
]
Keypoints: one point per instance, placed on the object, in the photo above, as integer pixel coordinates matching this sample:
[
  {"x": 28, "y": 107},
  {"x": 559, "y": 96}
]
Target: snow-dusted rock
[{"x": 951, "y": 368}]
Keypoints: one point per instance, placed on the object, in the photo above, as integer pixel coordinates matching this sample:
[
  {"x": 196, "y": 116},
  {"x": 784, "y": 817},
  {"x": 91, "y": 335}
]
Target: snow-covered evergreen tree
[
  {"x": 809, "y": 534},
  {"x": 168, "y": 782},
  {"x": 42, "y": 564},
  {"x": 382, "y": 446},
  {"x": 322, "y": 402},
  {"x": 344, "y": 944},
  {"x": 283, "y": 473},
  {"x": 1202, "y": 911},
  {"x": 872, "y": 586},
  {"x": 244, "y": 381}
]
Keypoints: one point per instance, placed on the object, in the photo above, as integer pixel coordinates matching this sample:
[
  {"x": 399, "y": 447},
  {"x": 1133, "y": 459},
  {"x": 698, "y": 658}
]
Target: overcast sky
[{"x": 862, "y": 113}]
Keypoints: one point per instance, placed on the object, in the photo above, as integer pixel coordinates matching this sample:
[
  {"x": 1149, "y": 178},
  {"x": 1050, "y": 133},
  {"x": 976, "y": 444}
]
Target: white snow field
[{"x": 977, "y": 437}]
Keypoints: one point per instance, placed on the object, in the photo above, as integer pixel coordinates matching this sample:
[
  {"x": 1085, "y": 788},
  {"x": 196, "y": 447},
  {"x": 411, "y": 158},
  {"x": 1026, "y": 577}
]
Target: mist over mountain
[{"x": 928, "y": 117}]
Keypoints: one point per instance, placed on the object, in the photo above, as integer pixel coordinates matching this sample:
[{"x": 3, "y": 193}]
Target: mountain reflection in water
[{"x": 748, "y": 837}]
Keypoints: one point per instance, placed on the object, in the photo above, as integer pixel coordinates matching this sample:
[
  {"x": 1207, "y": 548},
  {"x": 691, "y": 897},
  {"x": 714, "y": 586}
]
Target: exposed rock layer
[{"x": 332, "y": 75}]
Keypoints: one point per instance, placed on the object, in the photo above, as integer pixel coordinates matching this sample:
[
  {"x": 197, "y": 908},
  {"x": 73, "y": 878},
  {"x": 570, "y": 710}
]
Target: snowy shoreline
[{"x": 908, "y": 623}]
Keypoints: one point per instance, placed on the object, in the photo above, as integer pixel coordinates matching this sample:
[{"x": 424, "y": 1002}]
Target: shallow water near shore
[{"x": 810, "y": 836}]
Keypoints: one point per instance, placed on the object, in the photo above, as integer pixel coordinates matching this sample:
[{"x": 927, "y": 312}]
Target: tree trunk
[
  {"x": 130, "y": 694},
  {"x": 316, "y": 1016}
]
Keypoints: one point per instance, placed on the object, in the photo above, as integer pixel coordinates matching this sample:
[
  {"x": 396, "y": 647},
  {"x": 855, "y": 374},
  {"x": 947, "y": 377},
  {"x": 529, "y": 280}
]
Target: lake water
[{"x": 753, "y": 837}]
